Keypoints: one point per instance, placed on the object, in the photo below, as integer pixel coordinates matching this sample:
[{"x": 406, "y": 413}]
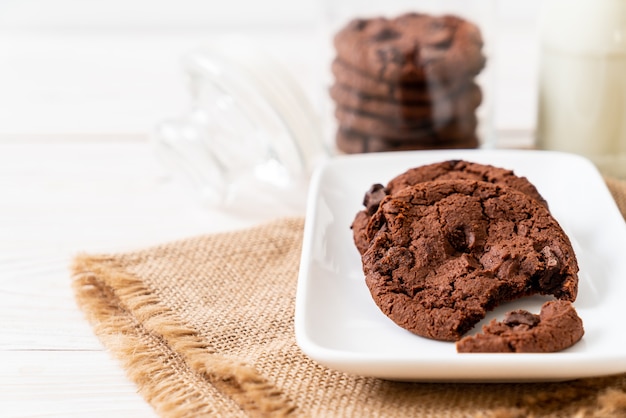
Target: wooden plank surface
[{"x": 57, "y": 199}]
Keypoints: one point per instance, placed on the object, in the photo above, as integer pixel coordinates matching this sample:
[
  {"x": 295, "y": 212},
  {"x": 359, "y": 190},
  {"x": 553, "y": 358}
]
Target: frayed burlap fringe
[
  {"x": 132, "y": 323},
  {"x": 164, "y": 314},
  {"x": 167, "y": 389}
]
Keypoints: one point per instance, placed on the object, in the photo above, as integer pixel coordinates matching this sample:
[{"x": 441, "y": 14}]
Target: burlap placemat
[{"x": 204, "y": 327}]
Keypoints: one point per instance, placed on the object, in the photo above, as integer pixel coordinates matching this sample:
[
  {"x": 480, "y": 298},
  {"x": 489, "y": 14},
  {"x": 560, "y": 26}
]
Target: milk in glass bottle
[{"x": 582, "y": 81}]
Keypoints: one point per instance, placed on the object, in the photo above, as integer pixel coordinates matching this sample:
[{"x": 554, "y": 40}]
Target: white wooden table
[{"x": 57, "y": 199}]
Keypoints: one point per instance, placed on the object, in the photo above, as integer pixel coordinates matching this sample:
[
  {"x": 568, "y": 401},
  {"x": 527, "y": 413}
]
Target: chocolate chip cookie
[
  {"x": 402, "y": 92},
  {"x": 464, "y": 170},
  {"x": 453, "y": 130},
  {"x": 556, "y": 328},
  {"x": 445, "y": 170},
  {"x": 463, "y": 103},
  {"x": 413, "y": 47},
  {"x": 443, "y": 253},
  {"x": 352, "y": 142}
]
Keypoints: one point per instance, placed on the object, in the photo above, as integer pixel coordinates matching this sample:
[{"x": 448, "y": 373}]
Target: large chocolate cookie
[
  {"x": 457, "y": 129},
  {"x": 444, "y": 110},
  {"x": 556, "y": 328},
  {"x": 445, "y": 170},
  {"x": 412, "y": 47},
  {"x": 352, "y": 142},
  {"x": 423, "y": 92},
  {"x": 443, "y": 253},
  {"x": 464, "y": 170}
]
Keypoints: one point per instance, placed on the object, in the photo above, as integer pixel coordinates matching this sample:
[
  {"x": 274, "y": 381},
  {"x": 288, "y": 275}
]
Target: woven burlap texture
[{"x": 204, "y": 327}]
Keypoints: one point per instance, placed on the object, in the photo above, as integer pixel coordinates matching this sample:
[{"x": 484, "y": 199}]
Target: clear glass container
[
  {"x": 582, "y": 81},
  {"x": 405, "y": 75},
  {"x": 249, "y": 131}
]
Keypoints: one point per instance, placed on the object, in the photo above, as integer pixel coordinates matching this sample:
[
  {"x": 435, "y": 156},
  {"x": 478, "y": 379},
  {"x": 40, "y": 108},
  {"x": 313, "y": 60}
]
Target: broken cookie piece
[{"x": 556, "y": 328}]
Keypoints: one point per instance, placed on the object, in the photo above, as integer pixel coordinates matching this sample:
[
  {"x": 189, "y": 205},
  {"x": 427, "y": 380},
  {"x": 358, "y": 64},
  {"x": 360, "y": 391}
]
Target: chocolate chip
[
  {"x": 552, "y": 267},
  {"x": 373, "y": 197},
  {"x": 549, "y": 258},
  {"x": 462, "y": 238},
  {"x": 388, "y": 54},
  {"x": 386, "y": 34},
  {"x": 458, "y": 239},
  {"x": 521, "y": 317},
  {"x": 358, "y": 24}
]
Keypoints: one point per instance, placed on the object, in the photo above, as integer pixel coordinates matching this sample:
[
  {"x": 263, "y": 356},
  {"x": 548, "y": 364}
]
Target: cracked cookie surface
[
  {"x": 443, "y": 253},
  {"x": 445, "y": 170}
]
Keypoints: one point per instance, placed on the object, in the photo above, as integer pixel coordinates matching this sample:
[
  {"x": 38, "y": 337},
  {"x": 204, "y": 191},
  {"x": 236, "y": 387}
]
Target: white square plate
[{"x": 338, "y": 325}]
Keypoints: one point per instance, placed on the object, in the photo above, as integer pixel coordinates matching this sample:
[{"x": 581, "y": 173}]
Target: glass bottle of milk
[{"x": 582, "y": 81}]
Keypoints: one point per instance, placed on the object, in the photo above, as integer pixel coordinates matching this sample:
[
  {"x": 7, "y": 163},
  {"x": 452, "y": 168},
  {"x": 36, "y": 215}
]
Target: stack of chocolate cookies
[{"x": 407, "y": 83}]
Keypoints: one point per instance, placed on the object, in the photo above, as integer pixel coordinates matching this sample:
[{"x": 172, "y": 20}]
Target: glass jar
[
  {"x": 406, "y": 75},
  {"x": 582, "y": 81},
  {"x": 250, "y": 129}
]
